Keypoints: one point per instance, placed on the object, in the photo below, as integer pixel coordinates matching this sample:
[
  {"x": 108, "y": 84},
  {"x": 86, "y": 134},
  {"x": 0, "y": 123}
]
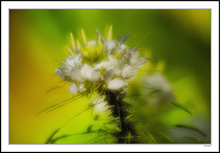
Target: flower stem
[{"x": 126, "y": 128}]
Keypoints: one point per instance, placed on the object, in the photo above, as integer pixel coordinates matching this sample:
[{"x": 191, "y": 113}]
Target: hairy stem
[{"x": 126, "y": 128}]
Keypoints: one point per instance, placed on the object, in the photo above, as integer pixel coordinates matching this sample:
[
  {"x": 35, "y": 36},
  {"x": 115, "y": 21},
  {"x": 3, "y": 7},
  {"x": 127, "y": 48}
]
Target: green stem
[{"x": 126, "y": 132}]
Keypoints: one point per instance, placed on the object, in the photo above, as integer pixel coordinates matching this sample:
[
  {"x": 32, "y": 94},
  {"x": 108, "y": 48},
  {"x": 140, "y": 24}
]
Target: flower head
[{"x": 108, "y": 64}]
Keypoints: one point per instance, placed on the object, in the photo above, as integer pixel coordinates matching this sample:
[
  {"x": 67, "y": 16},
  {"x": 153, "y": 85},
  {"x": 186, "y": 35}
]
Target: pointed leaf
[
  {"x": 52, "y": 141},
  {"x": 166, "y": 136},
  {"x": 151, "y": 137},
  {"x": 65, "y": 136},
  {"x": 191, "y": 127},
  {"x": 52, "y": 135},
  {"x": 181, "y": 106},
  {"x": 53, "y": 89},
  {"x": 55, "y": 106}
]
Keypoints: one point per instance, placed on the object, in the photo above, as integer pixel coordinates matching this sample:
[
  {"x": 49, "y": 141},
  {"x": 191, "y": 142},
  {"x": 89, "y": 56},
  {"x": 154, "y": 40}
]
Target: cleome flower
[{"x": 106, "y": 63}]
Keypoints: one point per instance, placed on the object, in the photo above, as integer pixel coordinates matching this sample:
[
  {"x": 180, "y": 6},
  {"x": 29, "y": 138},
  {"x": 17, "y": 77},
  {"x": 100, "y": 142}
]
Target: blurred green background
[{"x": 177, "y": 43}]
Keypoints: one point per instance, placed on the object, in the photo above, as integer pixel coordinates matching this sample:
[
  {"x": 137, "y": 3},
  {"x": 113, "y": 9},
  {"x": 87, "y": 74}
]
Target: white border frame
[{"x": 214, "y": 6}]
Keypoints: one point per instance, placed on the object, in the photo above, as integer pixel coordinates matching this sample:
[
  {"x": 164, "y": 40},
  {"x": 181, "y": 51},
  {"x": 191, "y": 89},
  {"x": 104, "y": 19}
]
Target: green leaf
[
  {"x": 191, "y": 127},
  {"x": 52, "y": 135},
  {"x": 151, "y": 137},
  {"x": 166, "y": 137},
  {"x": 60, "y": 104},
  {"x": 181, "y": 106},
  {"x": 52, "y": 89},
  {"x": 52, "y": 141},
  {"x": 53, "y": 106}
]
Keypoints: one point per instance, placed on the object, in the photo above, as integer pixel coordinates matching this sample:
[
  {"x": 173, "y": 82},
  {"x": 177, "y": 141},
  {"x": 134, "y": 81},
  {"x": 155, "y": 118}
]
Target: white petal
[
  {"x": 133, "y": 56},
  {"x": 129, "y": 71},
  {"x": 73, "y": 89},
  {"x": 139, "y": 62},
  {"x": 123, "y": 46},
  {"x": 59, "y": 72},
  {"x": 81, "y": 87},
  {"x": 78, "y": 60},
  {"x": 66, "y": 70},
  {"x": 122, "y": 62},
  {"x": 111, "y": 45},
  {"x": 116, "y": 84},
  {"x": 109, "y": 74},
  {"x": 112, "y": 59},
  {"x": 96, "y": 75},
  {"x": 123, "y": 50},
  {"x": 114, "y": 64},
  {"x": 70, "y": 61},
  {"x": 86, "y": 71},
  {"x": 76, "y": 74},
  {"x": 104, "y": 65},
  {"x": 64, "y": 73},
  {"x": 100, "y": 106}
]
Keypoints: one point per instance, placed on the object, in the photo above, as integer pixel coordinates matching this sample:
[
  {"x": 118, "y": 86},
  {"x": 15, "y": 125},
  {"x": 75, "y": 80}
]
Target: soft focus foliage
[{"x": 176, "y": 42}]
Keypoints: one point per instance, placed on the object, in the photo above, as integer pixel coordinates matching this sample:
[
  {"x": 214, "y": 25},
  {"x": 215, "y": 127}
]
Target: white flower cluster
[
  {"x": 119, "y": 63},
  {"x": 161, "y": 85}
]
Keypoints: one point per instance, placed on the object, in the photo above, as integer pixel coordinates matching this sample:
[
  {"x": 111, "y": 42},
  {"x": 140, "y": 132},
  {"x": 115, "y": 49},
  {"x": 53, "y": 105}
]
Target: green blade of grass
[
  {"x": 52, "y": 89},
  {"x": 181, "y": 107},
  {"x": 60, "y": 104},
  {"x": 191, "y": 127},
  {"x": 52, "y": 141},
  {"x": 166, "y": 137},
  {"x": 151, "y": 137},
  {"x": 52, "y": 135}
]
